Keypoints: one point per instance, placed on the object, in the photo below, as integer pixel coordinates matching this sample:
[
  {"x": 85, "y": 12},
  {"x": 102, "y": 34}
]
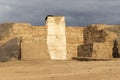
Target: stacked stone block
[{"x": 98, "y": 41}]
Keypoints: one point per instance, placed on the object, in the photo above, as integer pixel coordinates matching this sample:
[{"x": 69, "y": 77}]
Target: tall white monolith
[{"x": 56, "y": 38}]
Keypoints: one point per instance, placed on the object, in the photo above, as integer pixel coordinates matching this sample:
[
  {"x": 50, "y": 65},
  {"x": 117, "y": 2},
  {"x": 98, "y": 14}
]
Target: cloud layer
[{"x": 77, "y": 12}]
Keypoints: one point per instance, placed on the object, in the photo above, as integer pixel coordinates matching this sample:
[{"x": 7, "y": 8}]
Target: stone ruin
[
  {"x": 56, "y": 41},
  {"x": 100, "y": 41}
]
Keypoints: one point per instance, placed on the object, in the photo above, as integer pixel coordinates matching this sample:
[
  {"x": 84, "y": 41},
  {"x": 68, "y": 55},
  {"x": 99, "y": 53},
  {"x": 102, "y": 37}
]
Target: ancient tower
[{"x": 56, "y": 38}]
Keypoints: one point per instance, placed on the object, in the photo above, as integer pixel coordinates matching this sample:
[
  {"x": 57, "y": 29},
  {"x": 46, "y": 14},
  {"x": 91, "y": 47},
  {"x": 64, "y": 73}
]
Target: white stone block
[{"x": 56, "y": 38}]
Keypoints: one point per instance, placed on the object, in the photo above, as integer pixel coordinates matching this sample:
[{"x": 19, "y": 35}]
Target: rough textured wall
[
  {"x": 10, "y": 49},
  {"x": 85, "y": 50},
  {"x": 32, "y": 41},
  {"x": 97, "y": 41},
  {"x": 56, "y": 38},
  {"x": 96, "y": 50},
  {"x": 5, "y": 30},
  {"x": 102, "y": 50},
  {"x": 74, "y": 37},
  {"x": 93, "y": 34},
  {"x": 39, "y": 33},
  {"x": 23, "y": 30},
  {"x": 99, "y": 33},
  {"x": 9, "y": 44},
  {"x": 116, "y": 43},
  {"x": 37, "y": 49},
  {"x": 102, "y": 37}
]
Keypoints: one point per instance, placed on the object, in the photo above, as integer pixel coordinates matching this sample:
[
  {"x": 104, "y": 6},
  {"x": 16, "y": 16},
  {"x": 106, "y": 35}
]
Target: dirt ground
[{"x": 60, "y": 70}]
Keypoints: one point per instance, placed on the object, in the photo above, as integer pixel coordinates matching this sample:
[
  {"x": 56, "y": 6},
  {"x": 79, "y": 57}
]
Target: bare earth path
[{"x": 60, "y": 70}]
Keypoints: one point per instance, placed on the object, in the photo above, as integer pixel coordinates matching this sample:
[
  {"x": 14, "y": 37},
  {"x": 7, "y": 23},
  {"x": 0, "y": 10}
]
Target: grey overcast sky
[{"x": 77, "y": 12}]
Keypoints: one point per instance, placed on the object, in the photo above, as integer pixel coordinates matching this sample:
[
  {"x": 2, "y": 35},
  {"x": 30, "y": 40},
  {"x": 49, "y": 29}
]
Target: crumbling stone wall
[
  {"x": 22, "y": 30},
  {"x": 5, "y": 30},
  {"x": 37, "y": 48},
  {"x": 96, "y": 50},
  {"x": 74, "y": 37},
  {"x": 10, "y": 49},
  {"x": 102, "y": 38},
  {"x": 99, "y": 33},
  {"x": 92, "y": 34},
  {"x": 32, "y": 41},
  {"x": 39, "y": 42},
  {"x": 39, "y": 33},
  {"x": 9, "y": 44},
  {"x": 85, "y": 50}
]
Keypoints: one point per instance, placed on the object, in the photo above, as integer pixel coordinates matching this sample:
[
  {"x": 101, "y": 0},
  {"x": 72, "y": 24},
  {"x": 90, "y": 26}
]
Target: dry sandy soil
[{"x": 60, "y": 70}]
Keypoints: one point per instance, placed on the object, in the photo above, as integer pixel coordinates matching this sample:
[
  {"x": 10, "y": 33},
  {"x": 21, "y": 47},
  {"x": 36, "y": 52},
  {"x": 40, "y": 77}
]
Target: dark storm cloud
[{"x": 77, "y": 12}]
